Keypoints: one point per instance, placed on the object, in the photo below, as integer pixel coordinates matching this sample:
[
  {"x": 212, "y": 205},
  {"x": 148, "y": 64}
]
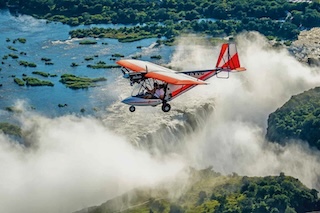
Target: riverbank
[{"x": 277, "y": 18}]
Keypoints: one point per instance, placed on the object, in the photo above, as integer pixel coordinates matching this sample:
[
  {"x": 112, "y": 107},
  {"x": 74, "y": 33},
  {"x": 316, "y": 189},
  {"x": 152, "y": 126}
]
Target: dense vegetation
[
  {"x": 27, "y": 64},
  {"x": 10, "y": 129},
  {"x": 273, "y": 17},
  {"x": 87, "y": 42},
  {"x": 76, "y": 82},
  {"x": 102, "y": 65},
  {"x": 31, "y": 81},
  {"x": 299, "y": 118},
  {"x": 19, "y": 81},
  {"x": 212, "y": 192},
  {"x": 44, "y": 74}
]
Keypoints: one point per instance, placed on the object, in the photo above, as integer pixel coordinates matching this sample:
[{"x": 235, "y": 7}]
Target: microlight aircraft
[{"x": 145, "y": 75}]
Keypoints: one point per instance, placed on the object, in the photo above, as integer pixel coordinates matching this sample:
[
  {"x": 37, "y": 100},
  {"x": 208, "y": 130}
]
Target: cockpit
[{"x": 146, "y": 88}]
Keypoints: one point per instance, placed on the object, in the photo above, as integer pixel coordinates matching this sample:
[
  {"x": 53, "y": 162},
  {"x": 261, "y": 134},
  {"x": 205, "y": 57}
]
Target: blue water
[{"x": 51, "y": 40}]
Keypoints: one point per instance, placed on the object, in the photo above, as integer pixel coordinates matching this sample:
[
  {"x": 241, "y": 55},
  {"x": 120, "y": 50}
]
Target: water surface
[{"x": 51, "y": 40}]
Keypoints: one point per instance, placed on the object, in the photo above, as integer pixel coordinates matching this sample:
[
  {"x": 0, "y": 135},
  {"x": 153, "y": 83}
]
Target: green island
[
  {"x": 88, "y": 58},
  {"x": 117, "y": 55},
  {"x": 44, "y": 74},
  {"x": 87, "y": 42},
  {"x": 13, "y": 56},
  {"x": 299, "y": 118},
  {"x": 30, "y": 81},
  {"x": 73, "y": 64},
  {"x": 19, "y": 81},
  {"x": 12, "y": 48},
  {"x": 27, "y": 64},
  {"x": 45, "y": 59},
  {"x": 209, "y": 191},
  {"x": 10, "y": 129},
  {"x": 21, "y": 40},
  {"x": 102, "y": 65},
  {"x": 75, "y": 82},
  {"x": 156, "y": 57}
]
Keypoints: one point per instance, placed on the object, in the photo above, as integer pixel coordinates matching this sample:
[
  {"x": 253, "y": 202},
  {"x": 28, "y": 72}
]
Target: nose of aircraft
[{"x": 127, "y": 100}]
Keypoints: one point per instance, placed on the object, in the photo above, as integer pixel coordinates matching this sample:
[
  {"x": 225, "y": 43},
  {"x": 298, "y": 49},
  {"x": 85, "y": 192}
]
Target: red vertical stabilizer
[{"x": 228, "y": 58}]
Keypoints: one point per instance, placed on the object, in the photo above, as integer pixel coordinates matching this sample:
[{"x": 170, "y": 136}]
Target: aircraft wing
[{"x": 159, "y": 72}]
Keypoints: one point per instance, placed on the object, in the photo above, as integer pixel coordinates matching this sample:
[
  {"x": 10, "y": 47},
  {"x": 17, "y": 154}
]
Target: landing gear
[
  {"x": 132, "y": 108},
  {"x": 166, "y": 107}
]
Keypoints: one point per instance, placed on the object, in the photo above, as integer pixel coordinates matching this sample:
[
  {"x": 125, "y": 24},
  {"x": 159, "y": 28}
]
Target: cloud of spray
[
  {"x": 76, "y": 162},
  {"x": 72, "y": 163},
  {"x": 232, "y": 140}
]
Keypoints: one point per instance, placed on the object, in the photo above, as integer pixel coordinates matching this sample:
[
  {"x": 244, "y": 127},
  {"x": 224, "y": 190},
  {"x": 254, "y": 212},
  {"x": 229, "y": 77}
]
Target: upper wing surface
[{"x": 159, "y": 72}]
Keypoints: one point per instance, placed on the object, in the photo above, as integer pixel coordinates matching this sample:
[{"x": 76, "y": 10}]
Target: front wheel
[
  {"x": 132, "y": 109},
  {"x": 166, "y": 107}
]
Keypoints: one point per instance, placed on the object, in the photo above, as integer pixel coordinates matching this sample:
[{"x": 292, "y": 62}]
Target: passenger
[
  {"x": 159, "y": 93},
  {"x": 156, "y": 92}
]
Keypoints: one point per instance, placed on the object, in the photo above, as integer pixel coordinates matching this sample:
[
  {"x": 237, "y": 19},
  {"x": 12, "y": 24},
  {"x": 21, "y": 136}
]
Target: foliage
[
  {"x": 211, "y": 192},
  {"x": 21, "y": 40},
  {"x": 273, "y": 18},
  {"x": 88, "y": 58},
  {"x": 10, "y": 129},
  {"x": 30, "y": 81},
  {"x": 87, "y": 42},
  {"x": 27, "y": 64},
  {"x": 299, "y": 118},
  {"x": 13, "y": 56},
  {"x": 45, "y": 59},
  {"x": 75, "y": 82},
  {"x": 102, "y": 65},
  {"x": 19, "y": 81},
  {"x": 73, "y": 64},
  {"x": 117, "y": 55},
  {"x": 44, "y": 74},
  {"x": 156, "y": 57},
  {"x": 12, "y": 48}
]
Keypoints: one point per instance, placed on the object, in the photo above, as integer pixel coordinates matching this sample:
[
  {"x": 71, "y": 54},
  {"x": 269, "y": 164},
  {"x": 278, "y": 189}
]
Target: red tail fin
[{"x": 228, "y": 58}]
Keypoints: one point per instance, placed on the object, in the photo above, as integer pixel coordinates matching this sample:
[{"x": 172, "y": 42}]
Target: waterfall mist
[{"x": 74, "y": 162}]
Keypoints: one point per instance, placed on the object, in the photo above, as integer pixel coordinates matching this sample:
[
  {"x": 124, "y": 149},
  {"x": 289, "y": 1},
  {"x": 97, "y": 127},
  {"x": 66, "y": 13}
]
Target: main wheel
[
  {"x": 132, "y": 109},
  {"x": 166, "y": 107}
]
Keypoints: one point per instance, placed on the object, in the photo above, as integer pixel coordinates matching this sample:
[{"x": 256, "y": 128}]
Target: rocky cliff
[{"x": 307, "y": 47}]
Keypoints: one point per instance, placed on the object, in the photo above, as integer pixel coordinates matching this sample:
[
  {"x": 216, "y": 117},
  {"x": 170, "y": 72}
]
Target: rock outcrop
[{"x": 307, "y": 47}]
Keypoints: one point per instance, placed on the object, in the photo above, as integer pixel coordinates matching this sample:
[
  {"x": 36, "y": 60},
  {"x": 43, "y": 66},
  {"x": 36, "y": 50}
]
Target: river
[{"x": 51, "y": 40}]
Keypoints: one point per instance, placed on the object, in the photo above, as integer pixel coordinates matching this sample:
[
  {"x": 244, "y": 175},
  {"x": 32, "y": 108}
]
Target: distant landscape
[{"x": 277, "y": 18}]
